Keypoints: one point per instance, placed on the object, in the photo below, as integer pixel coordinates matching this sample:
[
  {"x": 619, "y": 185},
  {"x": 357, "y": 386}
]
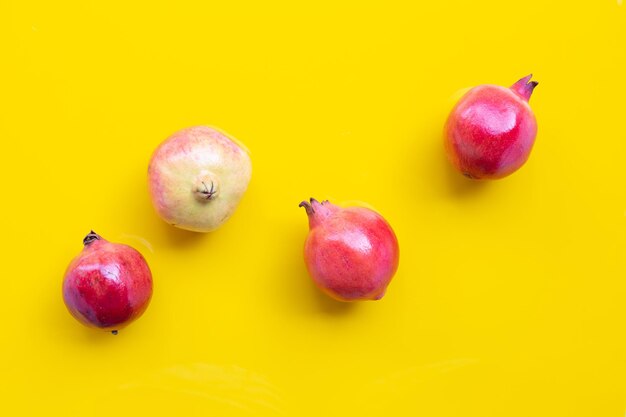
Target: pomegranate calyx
[
  {"x": 524, "y": 87},
  {"x": 90, "y": 238}
]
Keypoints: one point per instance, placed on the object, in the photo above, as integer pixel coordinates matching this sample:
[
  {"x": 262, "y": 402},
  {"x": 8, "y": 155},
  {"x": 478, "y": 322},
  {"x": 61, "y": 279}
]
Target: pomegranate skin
[
  {"x": 197, "y": 177},
  {"x": 491, "y": 130},
  {"x": 351, "y": 253},
  {"x": 108, "y": 285}
]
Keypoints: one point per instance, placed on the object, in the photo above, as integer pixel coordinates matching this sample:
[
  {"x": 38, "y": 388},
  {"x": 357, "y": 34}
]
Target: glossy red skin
[
  {"x": 107, "y": 286},
  {"x": 490, "y": 132},
  {"x": 351, "y": 253}
]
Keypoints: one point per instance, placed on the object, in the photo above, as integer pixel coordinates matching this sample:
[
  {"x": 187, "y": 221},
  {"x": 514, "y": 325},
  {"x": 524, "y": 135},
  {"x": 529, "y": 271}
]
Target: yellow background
[{"x": 510, "y": 295}]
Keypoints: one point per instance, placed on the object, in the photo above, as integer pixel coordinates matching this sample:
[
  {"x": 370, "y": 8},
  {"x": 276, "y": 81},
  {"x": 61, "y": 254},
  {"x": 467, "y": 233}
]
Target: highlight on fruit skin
[
  {"x": 491, "y": 130},
  {"x": 350, "y": 253},
  {"x": 197, "y": 177},
  {"x": 108, "y": 285}
]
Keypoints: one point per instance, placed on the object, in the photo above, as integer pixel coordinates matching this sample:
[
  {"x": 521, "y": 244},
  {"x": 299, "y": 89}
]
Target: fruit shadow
[
  {"x": 460, "y": 186},
  {"x": 329, "y": 305},
  {"x": 300, "y": 289},
  {"x": 435, "y": 171},
  {"x": 61, "y": 327},
  {"x": 181, "y": 238},
  {"x": 99, "y": 337},
  {"x": 455, "y": 185}
]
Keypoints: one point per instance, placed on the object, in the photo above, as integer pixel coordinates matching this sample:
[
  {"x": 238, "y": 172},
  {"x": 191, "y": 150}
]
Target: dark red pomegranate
[{"x": 108, "y": 285}]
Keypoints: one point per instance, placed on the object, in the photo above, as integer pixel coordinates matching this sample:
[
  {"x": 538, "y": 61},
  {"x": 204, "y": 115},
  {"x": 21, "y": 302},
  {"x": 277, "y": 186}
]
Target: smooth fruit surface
[
  {"x": 108, "y": 285},
  {"x": 491, "y": 130},
  {"x": 197, "y": 176},
  {"x": 351, "y": 253},
  {"x": 509, "y": 297}
]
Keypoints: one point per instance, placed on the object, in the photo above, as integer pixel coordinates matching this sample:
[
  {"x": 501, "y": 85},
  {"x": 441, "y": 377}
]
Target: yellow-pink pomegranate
[{"x": 197, "y": 177}]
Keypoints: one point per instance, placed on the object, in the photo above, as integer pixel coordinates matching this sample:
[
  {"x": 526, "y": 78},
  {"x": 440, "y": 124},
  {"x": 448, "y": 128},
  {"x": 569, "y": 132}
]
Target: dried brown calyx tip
[
  {"x": 310, "y": 205},
  {"x": 205, "y": 187},
  {"x": 91, "y": 237}
]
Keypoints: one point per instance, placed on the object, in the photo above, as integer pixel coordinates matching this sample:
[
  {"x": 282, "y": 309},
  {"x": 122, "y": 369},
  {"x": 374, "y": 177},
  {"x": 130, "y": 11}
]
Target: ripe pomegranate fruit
[
  {"x": 491, "y": 130},
  {"x": 351, "y": 253},
  {"x": 196, "y": 178},
  {"x": 108, "y": 285}
]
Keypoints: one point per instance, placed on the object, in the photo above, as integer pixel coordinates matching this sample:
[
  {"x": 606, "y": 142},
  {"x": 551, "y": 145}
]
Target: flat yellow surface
[{"x": 510, "y": 295}]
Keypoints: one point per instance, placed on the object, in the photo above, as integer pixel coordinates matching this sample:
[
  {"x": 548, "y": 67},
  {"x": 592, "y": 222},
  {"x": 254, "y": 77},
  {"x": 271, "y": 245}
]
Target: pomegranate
[
  {"x": 108, "y": 285},
  {"x": 196, "y": 178},
  {"x": 491, "y": 130},
  {"x": 351, "y": 253}
]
